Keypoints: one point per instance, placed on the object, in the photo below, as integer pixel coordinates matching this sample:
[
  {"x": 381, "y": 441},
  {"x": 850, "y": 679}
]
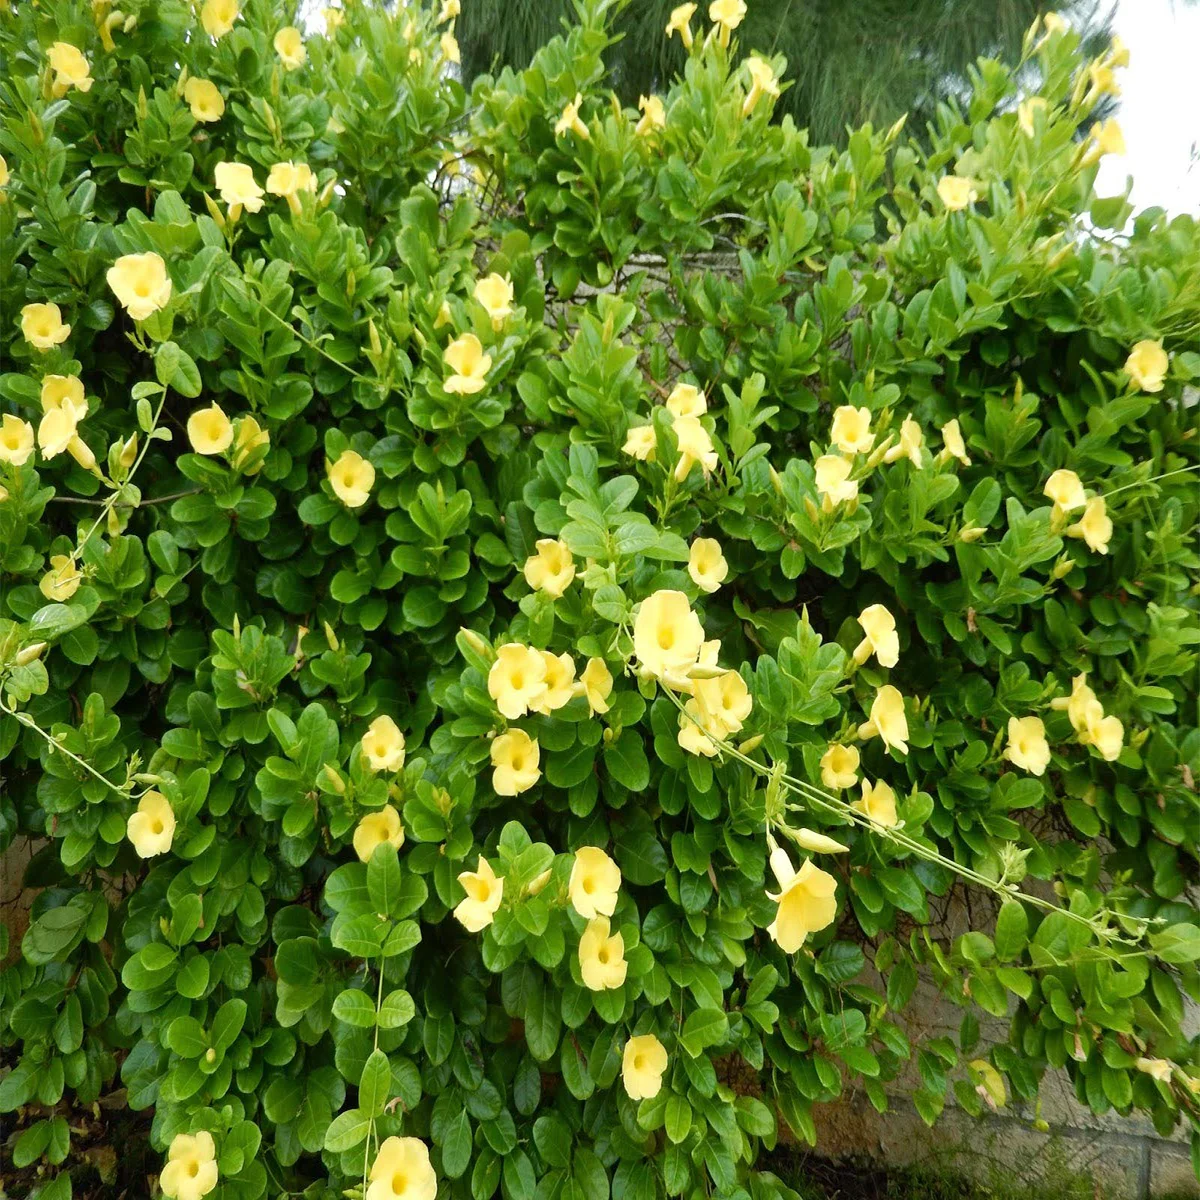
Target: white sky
[{"x": 1160, "y": 106}]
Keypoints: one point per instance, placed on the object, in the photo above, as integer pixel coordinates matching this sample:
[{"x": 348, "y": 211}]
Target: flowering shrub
[{"x": 527, "y": 628}]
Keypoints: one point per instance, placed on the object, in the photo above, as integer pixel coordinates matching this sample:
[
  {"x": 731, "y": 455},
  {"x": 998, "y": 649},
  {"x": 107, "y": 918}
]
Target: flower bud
[
  {"x": 971, "y": 533},
  {"x": 810, "y": 507},
  {"x": 776, "y": 482},
  {"x": 210, "y": 1055},
  {"x": 334, "y": 780},
  {"x": 30, "y": 653},
  {"x": 129, "y": 451},
  {"x": 476, "y": 643},
  {"x": 214, "y": 211},
  {"x": 331, "y": 637},
  {"x": 1062, "y": 567}
]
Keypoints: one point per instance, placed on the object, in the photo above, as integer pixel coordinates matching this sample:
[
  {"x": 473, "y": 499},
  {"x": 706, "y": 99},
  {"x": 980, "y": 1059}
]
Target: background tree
[{"x": 872, "y": 60}]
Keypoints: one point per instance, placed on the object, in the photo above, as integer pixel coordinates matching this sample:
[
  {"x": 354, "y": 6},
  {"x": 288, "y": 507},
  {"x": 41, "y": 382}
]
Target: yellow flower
[
  {"x": 1065, "y": 489},
  {"x": 82, "y": 453},
  {"x": 595, "y": 883},
  {"x": 16, "y": 440},
  {"x": 333, "y": 20},
  {"x": 449, "y": 46},
  {"x": 818, "y": 843},
  {"x": 680, "y": 23},
  {"x": 695, "y": 446},
  {"x": 204, "y": 99},
  {"x": 909, "y": 445},
  {"x": 248, "y": 438},
  {"x": 151, "y": 829},
  {"x": 235, "y": 181},
  {"x": 1105, "y": 138},
  {"x": 1102, "y": 79},
  {"x": 1027, "y": 746},
  {"x": 62, "y": 581},
  {"x": 834, "y": 484},
  {"x": 569, "y": 122},
  {"x": 1079, "y": 703},
  {"x": 728, "y": 15},
  {"x": 1107, "y": 734},
  {"x": 806, "y": 899},
  {"x": 402, "y": 1171},
  {"x": 724, "y": 701},
  {"x": 191, "y": 1170},
  {"x": 955, "y": 192},
  {"x": 1027, "y": 112},
  {"x": 515, "y": 759},
  {"x": 3, "y": 171},
  {"x": 686, "y": 400},
  {"x": 289, "y": 179},
  {"x": 559, "y": 680},
  {"x": 449, "y": 10},
  {"x": 218, "y": 16},
  {"x": 210, "y": 430},
  {"x": 289, "y": 45},
  {"x": 1095, "y": 526},
  {"x": 641, "y": 442},
  {"x": 71, "y": 69},
  {"x": 465, "y": 357},
  {"x": 495, "y": 293},
  {"x": 376, "y": 828},
  {"x": 1147, "y": 366},
  {"x": 55, "y": 431},
  {"x": 383, "y": 745},
  {"x": 878, "y": 803},
  {"x": 485, "y": 890},
  {"x": 64, "y": 391},
  {"x": 351, "y": 478},
  {"x": 953, "y": 444},
  {"x": 551, "y": 569},
  {"x": 697, "y": 731},
  {"x": 642, "y": 1067},
  {"x": 762, "y": 83},
  {"x": 654, "y": 116},
  {"x": 42, "y": 326},
  {"x": 1118, "y": 54},
  {"x": 517, "y": 679},
  {"x": 839, "y": 767},
  {"x": 141, "y": 283},
  {"x": 1156, "y": 1068},
  {"x": 601, "y": 956},
  {"x": 596, "y": 683},
  {"x": 667, "y": 635},
  {"x": 1055, "y": 24},
  {"x": 707, "y": 565},
  {"x": 882, "y": 640},
  {"x": 887, "y": 719},
  {"x": 851, "y": 432}
]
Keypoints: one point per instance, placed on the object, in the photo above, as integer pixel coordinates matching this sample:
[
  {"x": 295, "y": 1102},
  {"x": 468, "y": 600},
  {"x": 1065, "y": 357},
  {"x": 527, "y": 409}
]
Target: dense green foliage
[{"x": 210, "y": 639}]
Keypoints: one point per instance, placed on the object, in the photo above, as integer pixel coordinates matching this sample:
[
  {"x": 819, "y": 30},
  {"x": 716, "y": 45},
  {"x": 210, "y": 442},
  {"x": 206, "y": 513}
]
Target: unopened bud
[
  {"x": 750, "y": 744},
  {"x": 81, "y": 452},
  {"x": 776, "y": 482},
  {"x": 1062, "y": 567},
  {"x": 376, "y": 344},
  {"x": 165, "y": 926},
  {"x": 1138, "y": 740},
  {"x": 810, "y": 507},
  {"x": 476, "y": 643},
  {"x": 129, "y": 451},
  {"x": 972, "y": 533},
  {"x": 30, "y": 653},
  {"x": 143, "y": 106},
  {"x": 237, "y": 626},
  {"x": 536, "y": 885},
  {"x": 210, "y": 1055},
  {"x": 331, "y": 637},
  {"x": 334, "y": 780},
  {"x": 880, "y": 452},
  {"x": 214, "y": 211}
]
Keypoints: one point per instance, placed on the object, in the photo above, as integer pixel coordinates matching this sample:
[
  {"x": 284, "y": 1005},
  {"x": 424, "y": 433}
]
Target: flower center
[
  {"x": 518, "y": 680},
  {"x": 399, "y": 1183},
  {"x": 517, "y": 762},
  {"x": 156, "y": 827},
  {"x": 602, "y": 955},
  {"x": 588, "y": 885},
  {"x": 639, "y": 1062},
  {"x": 194, "y": 1168},
  {"x": 666, "y": 637}
]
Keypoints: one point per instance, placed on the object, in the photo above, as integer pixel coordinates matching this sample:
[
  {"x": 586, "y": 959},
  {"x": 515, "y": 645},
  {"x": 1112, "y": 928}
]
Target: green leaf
[
  {"x": 354, "y": 1007},
  {"x": 1012, "y": 931},
  {"x": 347, "y": 1131},
  {"x": 375, "y": 1085}
]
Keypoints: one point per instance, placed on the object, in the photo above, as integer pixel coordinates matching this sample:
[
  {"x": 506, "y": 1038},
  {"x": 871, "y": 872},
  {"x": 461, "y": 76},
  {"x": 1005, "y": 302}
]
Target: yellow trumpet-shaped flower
[
  {"x": 62, "y": 581},
  {"x": 806, "y": 899},
  {"x": 485, "y": 891},
  {"x": 351, "y": 478},
  {"x": 695, "y": 446},
  {"x": 1065, "y": 489},
  {"x": 680, "y": 23},
  {"x": 1027, "y": 746},
  {"x": 955, "y": 192},
  {"x": 667, "y": 635},
  {"x": 209, "y": 430},
  {"x": 559, "y": 682},
  {"x": 3, "y": 172},
  {"x": 851, "y": 430},
  {"x": 71, "y": 68},
  {"x": 289, "y": 45},
  {"x": 595, "y": 883},
  {"x": 707, "y": 565},
  {"x": 449, "y": 10},
  {"x": 449, "y": 47},
  {"x": 55, "y": 431},
  {"x": 141, "y": 283},
  {"x": 1095, "y": 526},
  {"x": 383, "y": 745},
  {"x": 217, "y": 17},
  {"x": 881, "y": 638},
  {"x": 642, "y": 1067},
  {"x": 152, "y": 827},
  {"x": 878, "y": 803},
  {"x": 515, "y": 759},
  {"x": 248, "y": 438},
  {"x": 833, "y": 481},
  {"x": 1104, "y": 138},
  {"x": 333, "y": 20},
  {"x": 1157, "y": 1068},
  {"x": 697, "y": 730},
  {"x": 517, "y": 679},
  {"x": 653, "y": 118},
  {"x": 910, "y": 444},
  {"x": 602, "y": 956},
  {"x": 570, "y": 121},
  {"x": 16, "y": 440},
  {"x": 402, "y": 1171},
  {"x": 237, "y": 186},
  {"x": 596, "y": 684},
  {"x": 42, "y": 326},
  {"x": 641, "y": 442},
  {"x": 376, "y": 828},
  {"x": 1147, "y": 366},
  {"x": 953, "y": 445},
  {"x": 887, "y": 719},
  {"x": 64, "y": 391},
  {"x": 551, "y": 569},
  {"x": 839, "y": 767},
  {"x": 495, "y": 293},
  {"x": 725, "y": 702},
  {"x": 1107, "y": 734},
  {"x": 204, "y": 98},
  {"x": 1027, "y": 112},
  {"x": 762, "y": 83},
  {"x": 191, "y": 1169},
  {"x": 465, "y": 357},
  {"x": 686, "y": 400},
  {"x": 727, "y": 15},
  {"x": 1080, "y": 702},
  {"x": 289, "y": 179}
]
